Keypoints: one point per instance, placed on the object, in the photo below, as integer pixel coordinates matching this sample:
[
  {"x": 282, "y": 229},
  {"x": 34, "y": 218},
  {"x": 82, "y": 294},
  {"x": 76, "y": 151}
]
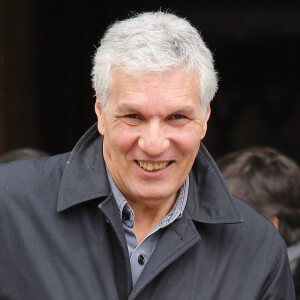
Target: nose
[{"x": 153, "y": 139}]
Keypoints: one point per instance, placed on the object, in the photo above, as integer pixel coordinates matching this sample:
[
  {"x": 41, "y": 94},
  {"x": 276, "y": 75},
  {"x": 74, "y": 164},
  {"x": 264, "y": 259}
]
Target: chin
[{"x": 156, "y": 196}]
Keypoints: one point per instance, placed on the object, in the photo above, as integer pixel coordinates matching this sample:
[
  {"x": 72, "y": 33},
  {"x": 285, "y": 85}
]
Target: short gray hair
[{"x": 153, "y": 42}]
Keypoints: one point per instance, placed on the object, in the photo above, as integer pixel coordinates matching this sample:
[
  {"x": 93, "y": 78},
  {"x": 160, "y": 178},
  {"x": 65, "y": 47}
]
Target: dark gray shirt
[{"x": 140, "y": 253}]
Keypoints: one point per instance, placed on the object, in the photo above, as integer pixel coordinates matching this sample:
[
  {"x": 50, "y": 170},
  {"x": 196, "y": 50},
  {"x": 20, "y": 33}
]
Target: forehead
[{"x": 169, "y": 85}]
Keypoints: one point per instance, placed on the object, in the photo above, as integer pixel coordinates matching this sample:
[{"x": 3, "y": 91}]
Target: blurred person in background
[
  {"x": 20, "y": 154},
  {"x": 270, "y": 182}
]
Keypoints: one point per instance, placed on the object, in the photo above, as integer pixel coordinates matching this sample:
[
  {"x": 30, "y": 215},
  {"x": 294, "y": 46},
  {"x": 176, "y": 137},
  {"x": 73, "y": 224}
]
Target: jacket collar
[
  {"x": 209, "y": 200},
  {"x": 84, "y": 178}
]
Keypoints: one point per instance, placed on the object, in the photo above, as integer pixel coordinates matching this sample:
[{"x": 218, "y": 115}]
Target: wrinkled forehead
[
  {"x": 165, "y": 91},
  {"x": 173, "y": 78}
]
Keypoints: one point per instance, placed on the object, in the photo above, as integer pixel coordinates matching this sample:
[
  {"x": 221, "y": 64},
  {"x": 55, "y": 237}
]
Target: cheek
[
  {"x": 123, "y": 140},
  {"x": 190, "y": 148},
  {"x": 188, "y": 143}
]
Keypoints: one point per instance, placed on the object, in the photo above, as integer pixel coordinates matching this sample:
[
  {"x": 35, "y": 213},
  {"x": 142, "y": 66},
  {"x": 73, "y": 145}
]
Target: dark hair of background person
[
  {"x": 269, "y": 182},
  {"x": 20, "y": 154}
]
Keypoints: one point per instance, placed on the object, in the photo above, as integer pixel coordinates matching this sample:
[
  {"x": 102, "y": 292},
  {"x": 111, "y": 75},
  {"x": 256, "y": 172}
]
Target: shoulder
[
  {"x": 259, "y": 249},
  {"x": 260, "y": 242},
  {"x": 27, "y": 179},
  {"x": 23, "y": 171},
  {"x": 255, "y": 226}
]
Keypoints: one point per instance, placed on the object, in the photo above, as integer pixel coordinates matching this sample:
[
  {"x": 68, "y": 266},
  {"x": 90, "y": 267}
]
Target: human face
[{"x": 152, "y": 128}]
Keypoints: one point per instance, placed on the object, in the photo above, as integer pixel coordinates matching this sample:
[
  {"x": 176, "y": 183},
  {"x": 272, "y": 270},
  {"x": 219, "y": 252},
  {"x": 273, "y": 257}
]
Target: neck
[{"x": 148, "y": 214}]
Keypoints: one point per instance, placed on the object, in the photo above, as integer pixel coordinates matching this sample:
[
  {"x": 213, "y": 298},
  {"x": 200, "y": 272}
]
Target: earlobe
[
  {"x": 99, "y": 114},
  {"x": 275, "y": 221},
  {"x": 204, "y": 125},
  {"x": 208, "y": 110}
]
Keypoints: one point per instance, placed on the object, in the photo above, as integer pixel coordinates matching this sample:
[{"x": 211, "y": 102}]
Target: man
[{"x": 138, "y": 212}]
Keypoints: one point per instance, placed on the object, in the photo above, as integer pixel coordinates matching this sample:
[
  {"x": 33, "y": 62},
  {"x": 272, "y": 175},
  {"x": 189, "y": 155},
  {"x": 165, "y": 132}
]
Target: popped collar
[{"x": 84, "y": 178}]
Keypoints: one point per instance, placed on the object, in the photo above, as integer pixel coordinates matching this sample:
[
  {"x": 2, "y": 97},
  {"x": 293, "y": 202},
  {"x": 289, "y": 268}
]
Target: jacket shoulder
[
  {"x": 260, "y": 250},
  {"x": 262, "y": 242},
  {"x": 25, "y": 179},
  {"x": 255, "y": 223}
]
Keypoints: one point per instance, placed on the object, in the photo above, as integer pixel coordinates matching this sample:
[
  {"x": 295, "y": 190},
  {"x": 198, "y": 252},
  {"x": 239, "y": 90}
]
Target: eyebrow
[
  {"x": 125, "y": 107},
  {"x": 187, "y": 109}
]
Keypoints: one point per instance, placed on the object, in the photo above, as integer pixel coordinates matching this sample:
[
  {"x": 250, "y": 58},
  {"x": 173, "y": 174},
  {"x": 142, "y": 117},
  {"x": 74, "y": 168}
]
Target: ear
[
  {"x": 205, "y": 120},
  {"x": 275, "y": 221},
  {"x": 100, "y": 116}
]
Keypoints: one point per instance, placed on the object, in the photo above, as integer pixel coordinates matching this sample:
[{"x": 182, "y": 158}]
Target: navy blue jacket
[{"x": 61, "y": 237}]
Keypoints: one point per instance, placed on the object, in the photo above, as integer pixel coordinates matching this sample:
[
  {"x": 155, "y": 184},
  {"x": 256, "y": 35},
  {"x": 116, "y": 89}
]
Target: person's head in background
[
  {"x": 270, "y": 183},
  {"x": 20, "y": 154}
]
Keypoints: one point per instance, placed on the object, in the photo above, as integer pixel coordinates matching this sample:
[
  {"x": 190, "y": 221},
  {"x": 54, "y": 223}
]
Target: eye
[
  {"x": 177, "y": 117},
  {"x": 132, "y": 119},
  {"x": 177, "y": 120},
  {"x": 132, "y": 116}
]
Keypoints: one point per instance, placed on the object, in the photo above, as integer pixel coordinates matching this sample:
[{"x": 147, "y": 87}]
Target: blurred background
[{"x": 46, "y": 49}]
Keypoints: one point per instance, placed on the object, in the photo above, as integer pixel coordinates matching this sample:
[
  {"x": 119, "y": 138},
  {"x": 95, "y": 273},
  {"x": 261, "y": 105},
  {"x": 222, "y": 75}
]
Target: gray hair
[{"x": 153, "y": 42}]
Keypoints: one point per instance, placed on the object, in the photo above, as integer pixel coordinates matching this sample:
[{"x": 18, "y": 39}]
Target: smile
[{"x": 153, "y": 166}]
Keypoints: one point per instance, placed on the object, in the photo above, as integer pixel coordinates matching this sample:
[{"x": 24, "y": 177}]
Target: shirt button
[
  {"x": 125, "y": 216},
  {"x": 141, "y": 259}
]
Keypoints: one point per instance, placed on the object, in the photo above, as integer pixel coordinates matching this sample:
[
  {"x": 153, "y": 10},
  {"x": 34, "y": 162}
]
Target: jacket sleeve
[{"x": 280, "y": 285}]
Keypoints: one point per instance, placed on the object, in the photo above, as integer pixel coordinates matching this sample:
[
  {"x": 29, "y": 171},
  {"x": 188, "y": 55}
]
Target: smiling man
[{"x": 138, "y": 209}]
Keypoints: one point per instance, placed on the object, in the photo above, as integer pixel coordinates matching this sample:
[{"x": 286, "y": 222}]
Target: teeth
[{"x": 152, "y": 166}]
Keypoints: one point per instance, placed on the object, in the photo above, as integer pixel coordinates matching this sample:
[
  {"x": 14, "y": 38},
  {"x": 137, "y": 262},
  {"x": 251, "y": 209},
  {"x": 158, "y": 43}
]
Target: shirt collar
[
  {"x": 120, "y": 199},
  {"x": 179, "y": 206},
  {"x": 123, "y": 206}
]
